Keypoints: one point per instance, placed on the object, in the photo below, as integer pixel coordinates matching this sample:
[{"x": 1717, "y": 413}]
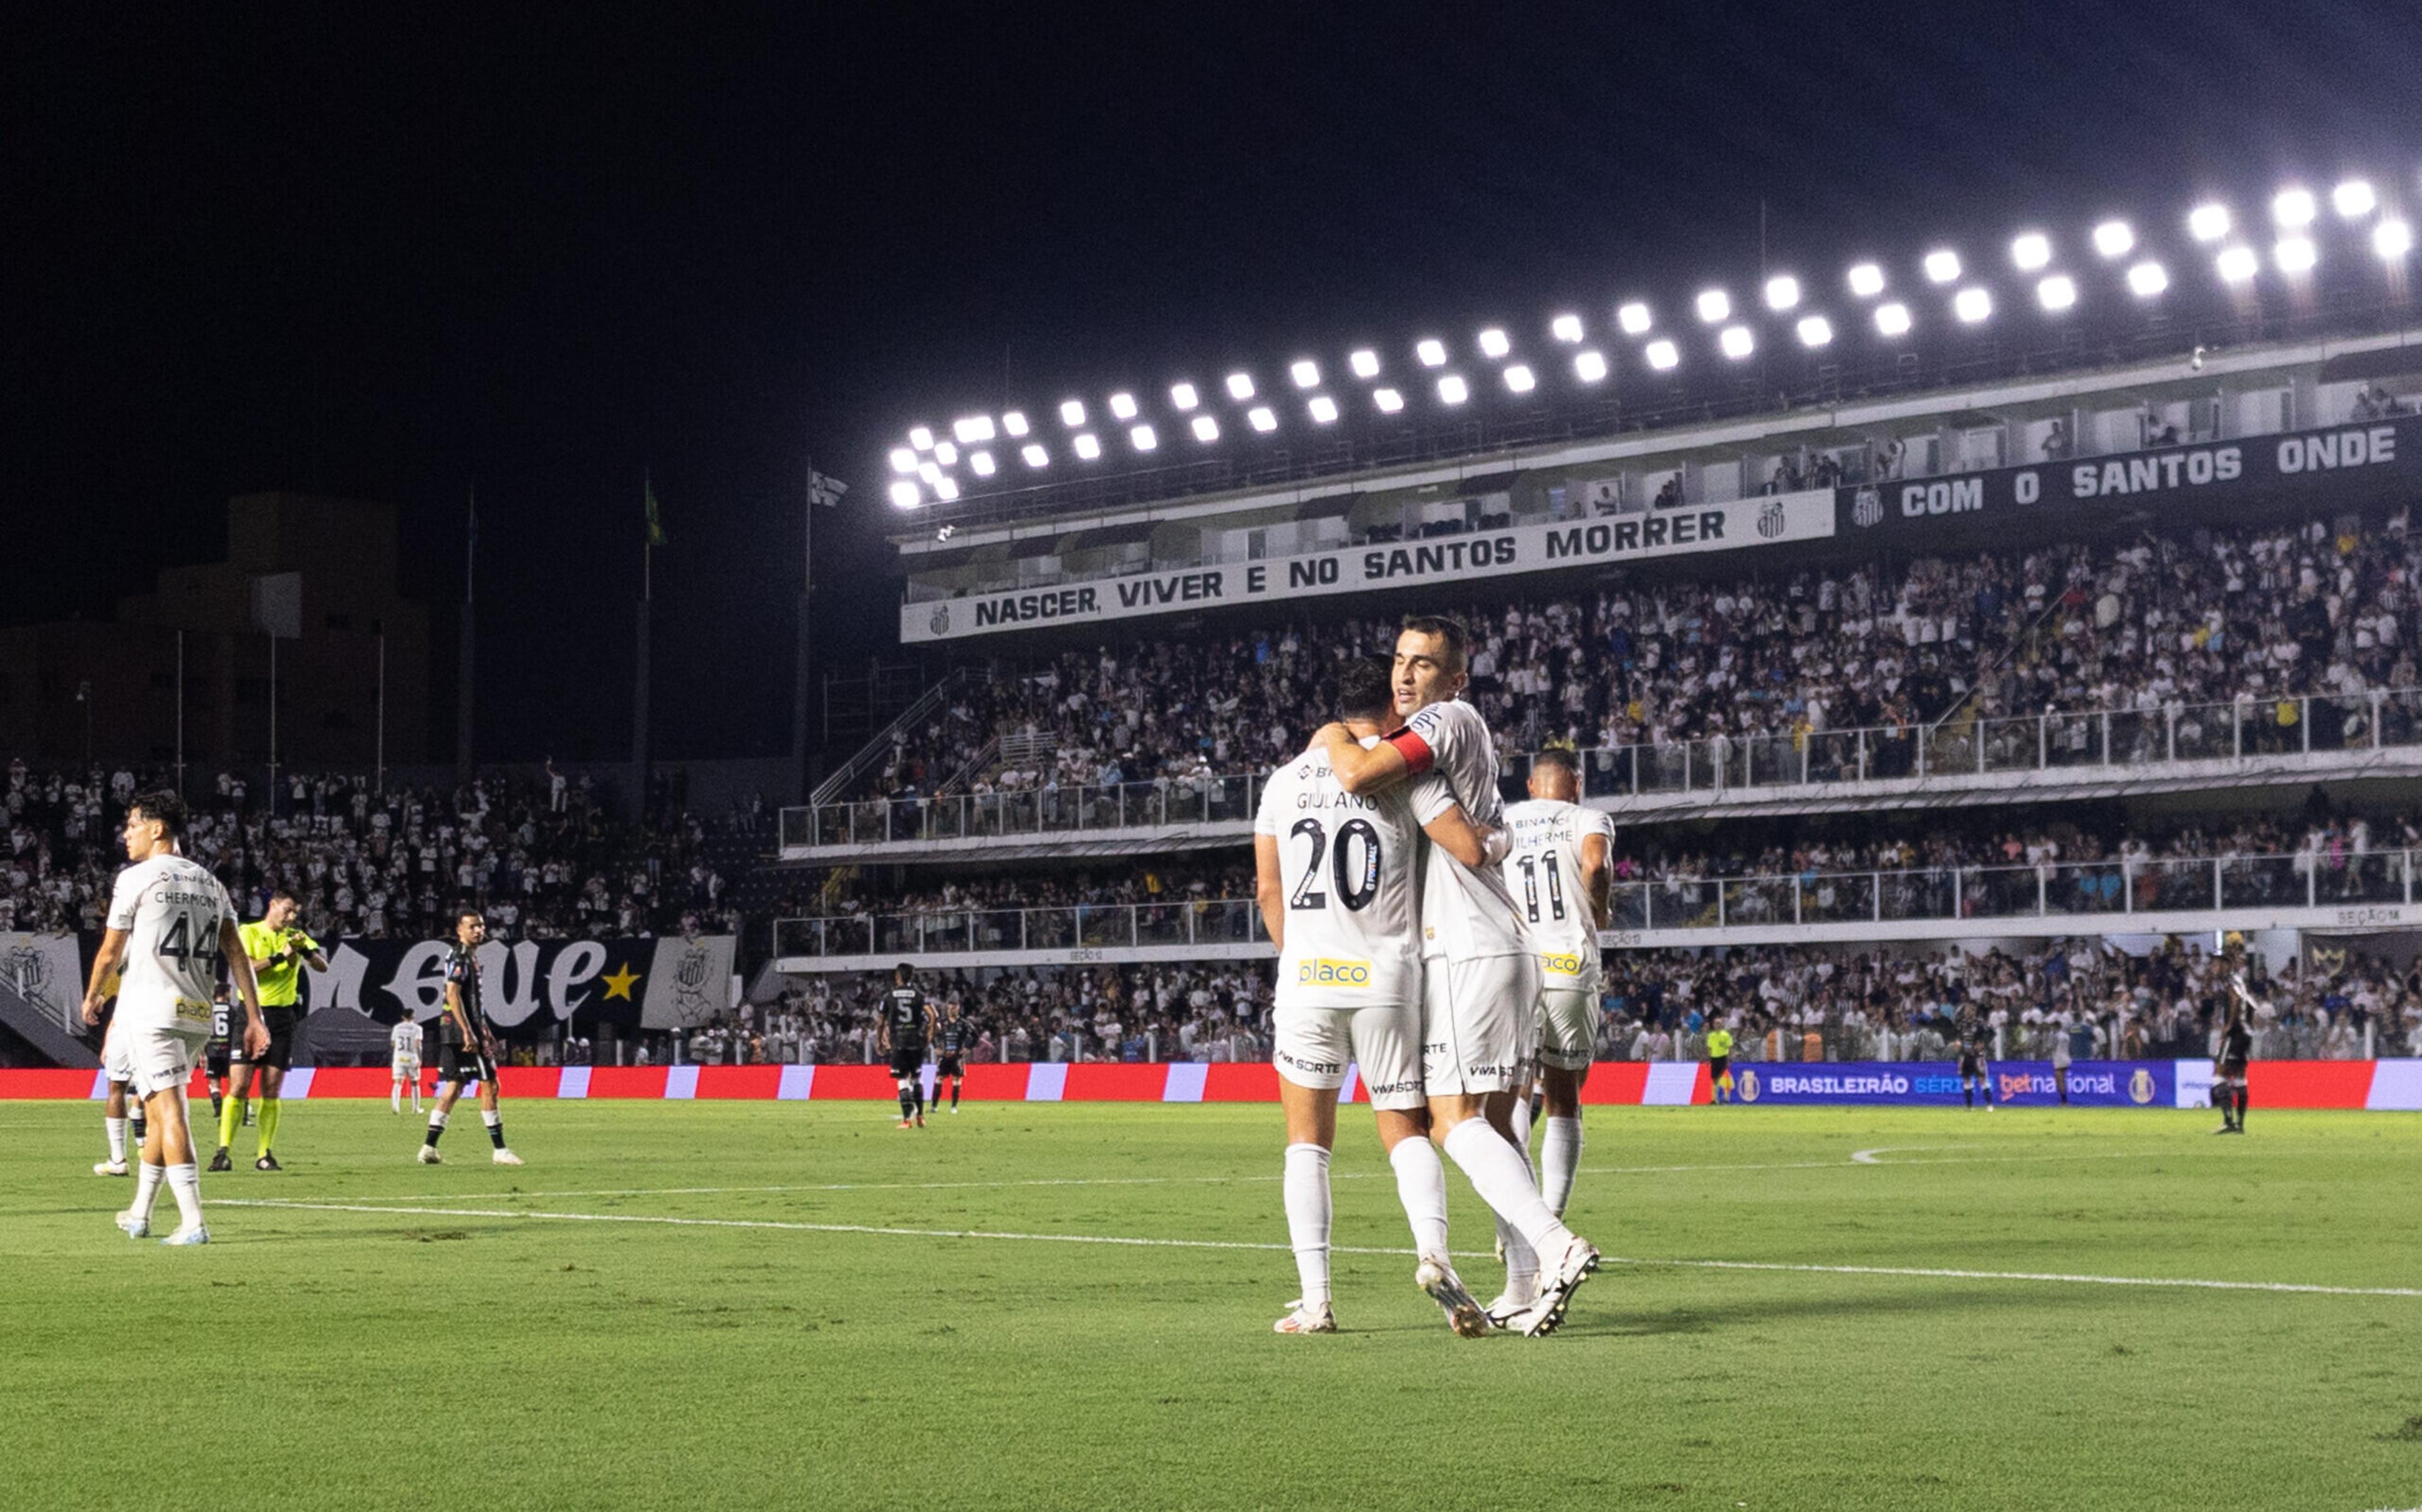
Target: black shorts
[
  {"x": 1717, "y": 1066},
  {"x": 279, "y": 1056},
  {"x": 464, "y": 1065},
  {"x": 214, "y": 1059},
  {"x": 2230, "y": 1072},
  {"x": 907, "y": 1061},
  {"x": 948, "y": 1066},
  {"x": 1971, "y": 1072}
]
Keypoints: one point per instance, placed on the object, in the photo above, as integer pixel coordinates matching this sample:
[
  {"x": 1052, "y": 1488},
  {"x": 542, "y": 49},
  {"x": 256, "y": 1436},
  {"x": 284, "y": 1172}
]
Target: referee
[
  {"x": 467, "y": 1043},
  {"x": 278, "y": 952},
  {"x": 1720, "y": 1062}
]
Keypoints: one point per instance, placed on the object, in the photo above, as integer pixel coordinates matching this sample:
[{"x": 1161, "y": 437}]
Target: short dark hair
[
  {"x": 1445, "y": 628},
  {"x": 276, "y": 892},
  {"x": 468, "y": 912},
  {"x": 1556, "y": 755},
  {"x": 903, "y": 972},
  {"x": 1365, "y": 685},
  {"x": 163, "y": 806}
]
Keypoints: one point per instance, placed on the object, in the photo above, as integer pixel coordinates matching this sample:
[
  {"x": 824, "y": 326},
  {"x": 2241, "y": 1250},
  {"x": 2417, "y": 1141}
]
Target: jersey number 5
[{"x": 1356, "y": 887}]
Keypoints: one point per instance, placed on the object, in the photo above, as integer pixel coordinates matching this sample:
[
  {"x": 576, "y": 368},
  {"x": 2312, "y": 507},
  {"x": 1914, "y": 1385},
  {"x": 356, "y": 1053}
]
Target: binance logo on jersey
[
  {"x": 1322, "y": 972},
  {"x": 1567, "y": 965}
]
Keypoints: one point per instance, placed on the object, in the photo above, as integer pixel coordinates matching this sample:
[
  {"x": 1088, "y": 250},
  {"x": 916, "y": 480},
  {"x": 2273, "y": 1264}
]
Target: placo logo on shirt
[
  {"x": 1566, "y": 965},
  {"x": 1322, "y": 972}
]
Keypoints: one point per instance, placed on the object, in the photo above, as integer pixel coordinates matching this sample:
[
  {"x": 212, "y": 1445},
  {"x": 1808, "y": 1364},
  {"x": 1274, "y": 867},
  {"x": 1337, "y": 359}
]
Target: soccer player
[
  {"x": 467, "y": 1044},
  {"x": 119, "y": 1117},
  {"x": 907, "y": 1023},
  {"x": 1720, "y": 1062},
  {"x": 1479, "y": 983},
  {"x": 1560, "y": 873},
  {"x": 2236, "y": 1048},
  {"x": 405, "y": 1040},
  {"x": 1974, "y": 1077},
  {"x": 215, "y": 1060},
  {"x": 1336, "y": 879},
  {"x": 278, "y": 952},
  {"x": 169, "y": 923},
  {"x": 950, "y": 1059}
]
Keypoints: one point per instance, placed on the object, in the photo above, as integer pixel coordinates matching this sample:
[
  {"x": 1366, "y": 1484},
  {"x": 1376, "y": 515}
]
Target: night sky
[{"x": 543, "y": 252}]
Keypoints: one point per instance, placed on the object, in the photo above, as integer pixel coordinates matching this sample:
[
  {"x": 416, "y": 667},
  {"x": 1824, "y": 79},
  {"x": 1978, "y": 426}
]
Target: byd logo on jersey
[
  {"x": 1322, "y": 972},
  {"x": 1569, "y": 965}
]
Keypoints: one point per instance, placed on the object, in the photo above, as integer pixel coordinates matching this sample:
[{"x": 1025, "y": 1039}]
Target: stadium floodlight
[
  {"x": 1566, "y": 328},
  {"x": 1323, "y": 409},
  {"x": 1240, "y": 387},
  {"x": 2391, "y": 239},
  {"x": 2148, "y": 278},
  {"x": 1072, "y": 412},
  {"x": 946, "y": 490},
  {"x": 1305, "y": 372},
  {"x": 1366, "y": 363},
  {"x": 2353, "y": 199},
  {"x": 1432, "y": 351},
  {"x": 2031, "y": 251},
  {"x": 2114, "y": 239},
  {"x": 930, "y": 472},
  {"x": 1089, "y": 447},
  {"x": 1122, "y": 406},
  {"x": 1814, "y": 331},
  {"x": 2058, "y": 293},
  {"x": 1185, "y": 396},
  {"x": 922, "y": 438},
  {"x": 902, "y": 460},
  {"x": 1663, "y": 355},
  {"x": 1206, "y": 428},
  {"x": 1453, "y": 389},
  {"x": 2295, "y": 253},
  {"x": 907, "y": 495},
  {"x": 972, "y": 428},
  {"x": 1736, "y": 342},
  {"x": 1143, "y": 437},
  {"x": 1715, "y": 306},
  {"x": 1262, "y": 418},
  {"x": 2207, "y": 223},
  {"x": 1972, "y": 305},
  {"x": 1633, "y": 318},
  {"x": 1941, "y": 265},
  {"x": 1867, "y": 280},
  {"x": 1589, "y": 366},
  {"x": 1493, "y": 343},
  {"x": 1781, "y": 293},
  {"x": 2236, "y": 264},
  {"x": 1014, "y": 423},
  {"x": 1520, "y": 378},
  {"x": 1388, "y": 399},
  {"x": 946, "y": 454},
  {"x": 1893, "y": 319},
  {"x": 2293, "y": 208},
  {"x": 982, "y": 462},
  {"x": 1034, "y": 454}
]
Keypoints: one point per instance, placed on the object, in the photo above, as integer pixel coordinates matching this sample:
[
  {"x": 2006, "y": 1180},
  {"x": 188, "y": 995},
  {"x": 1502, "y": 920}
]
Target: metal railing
[
  {"x": 1074, "y": 927},
  {"x": 2131, "y": 740}
]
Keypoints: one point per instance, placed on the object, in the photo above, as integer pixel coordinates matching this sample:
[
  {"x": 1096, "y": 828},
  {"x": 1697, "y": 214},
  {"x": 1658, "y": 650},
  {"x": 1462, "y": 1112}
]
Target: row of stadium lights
[{"x": 924, "y": 465}]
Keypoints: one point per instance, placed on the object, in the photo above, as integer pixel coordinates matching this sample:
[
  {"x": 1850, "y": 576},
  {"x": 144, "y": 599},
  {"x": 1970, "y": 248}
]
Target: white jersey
[
  {"x": 405, "y": 1038},
  {"x": 1466, "y": 913},
  {"x": 171, "y": 908},
  {"x": 1347, "y": 867},
  {"x": 1544, "y": 873}
]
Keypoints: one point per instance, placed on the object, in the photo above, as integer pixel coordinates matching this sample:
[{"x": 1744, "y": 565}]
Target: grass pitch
[{"x": 755, "y": 1305}]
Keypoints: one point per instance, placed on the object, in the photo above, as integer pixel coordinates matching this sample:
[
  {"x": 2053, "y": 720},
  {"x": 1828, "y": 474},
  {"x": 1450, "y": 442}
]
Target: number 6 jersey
[
  {"x": 1543, "y": 871},
  {"x": 1349, "y": 868}
]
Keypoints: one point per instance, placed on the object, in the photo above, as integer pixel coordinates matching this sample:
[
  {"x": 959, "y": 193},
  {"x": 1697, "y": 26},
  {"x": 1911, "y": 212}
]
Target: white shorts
[
  {"x": 114, "y": 1063},
  {"x": 1311, "y": 1045},
  {"x": 1567, "y": 1026},
  {"x": 406, "y": 1068},
  {"x": 161, "y": 1059},
  {"x": 1479, "y": 1024}
]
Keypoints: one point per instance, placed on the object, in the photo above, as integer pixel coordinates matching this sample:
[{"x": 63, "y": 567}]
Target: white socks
[
  {"x": 1420, "y": 1186},
  {"x": 1502, "y": 1179},
  {"x": 116, "y": 1128},
  {"x": 1560, "y": 1158},
  {"x": 1307, "y": 1212},
  {"x": 395, "y": 1098},
  {"x": 1522, "y": 1265},
  {"x": 147, "y": 1191},
  {"x": 185, "y": 1185},
  {"x": 1522, "y": 1122}
]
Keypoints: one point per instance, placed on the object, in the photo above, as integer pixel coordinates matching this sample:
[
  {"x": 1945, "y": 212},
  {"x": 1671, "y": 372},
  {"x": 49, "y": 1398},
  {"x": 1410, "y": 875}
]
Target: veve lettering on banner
[
  {"x": 578, "y": 962},
  {"x": 419, "y": 979}
]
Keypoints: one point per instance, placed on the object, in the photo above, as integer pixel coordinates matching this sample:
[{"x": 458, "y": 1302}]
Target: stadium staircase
[
  {"x": 41, "y": 1032},
  {"x": 876, "y": 751}
]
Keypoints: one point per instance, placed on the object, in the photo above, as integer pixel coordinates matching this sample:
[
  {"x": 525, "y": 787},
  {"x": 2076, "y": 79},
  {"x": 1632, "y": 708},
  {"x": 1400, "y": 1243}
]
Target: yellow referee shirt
[{"x": 280, "y": 980}]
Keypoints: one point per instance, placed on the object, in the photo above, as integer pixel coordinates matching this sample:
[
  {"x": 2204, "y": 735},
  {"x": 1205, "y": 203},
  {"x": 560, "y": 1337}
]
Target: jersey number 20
[{"x": 1356, "y": 885}]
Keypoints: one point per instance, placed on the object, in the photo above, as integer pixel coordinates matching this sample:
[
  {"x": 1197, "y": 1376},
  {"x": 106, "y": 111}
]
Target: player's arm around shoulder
[{"x": 1361, "y": 769}]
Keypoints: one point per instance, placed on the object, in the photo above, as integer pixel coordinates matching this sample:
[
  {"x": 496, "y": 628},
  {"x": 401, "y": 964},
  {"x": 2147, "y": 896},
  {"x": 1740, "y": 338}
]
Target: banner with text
[
  {"x": 2344, "y": 466},
  {"x": 1774, "y": 520},
  {"x": 2027, "y": 1083},
  {"x": 531, "y": 986}
]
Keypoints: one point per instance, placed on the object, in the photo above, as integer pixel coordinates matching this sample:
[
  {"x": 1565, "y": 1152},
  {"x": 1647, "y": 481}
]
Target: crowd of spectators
[
  {"x": 2244, "y": 619},
  {"x": 541, "y": 858}
]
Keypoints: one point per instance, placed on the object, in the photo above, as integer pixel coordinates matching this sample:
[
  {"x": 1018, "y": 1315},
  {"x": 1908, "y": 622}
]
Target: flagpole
[
  {"x": 640, "y": 660},
  {"x": 465, "y": 677},
  {"x": 800, "y": 672}
]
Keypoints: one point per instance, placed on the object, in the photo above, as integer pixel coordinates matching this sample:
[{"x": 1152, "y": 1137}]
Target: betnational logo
[{"x": 1322, "y": 972}]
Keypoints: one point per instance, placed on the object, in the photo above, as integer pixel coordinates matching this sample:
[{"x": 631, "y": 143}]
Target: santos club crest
[{"x": 1866, "y": 509}]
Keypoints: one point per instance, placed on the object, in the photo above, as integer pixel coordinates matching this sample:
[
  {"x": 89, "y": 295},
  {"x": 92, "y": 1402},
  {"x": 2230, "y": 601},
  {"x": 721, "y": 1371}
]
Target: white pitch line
[
  {"x": 1227, "y": 1180},
  {"x": 1133, "y": 1242}
]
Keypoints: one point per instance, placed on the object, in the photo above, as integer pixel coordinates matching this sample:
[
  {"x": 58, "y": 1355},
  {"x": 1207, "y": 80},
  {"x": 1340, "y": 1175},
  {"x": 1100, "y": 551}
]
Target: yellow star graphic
[{"x": 618, "y": 982}]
